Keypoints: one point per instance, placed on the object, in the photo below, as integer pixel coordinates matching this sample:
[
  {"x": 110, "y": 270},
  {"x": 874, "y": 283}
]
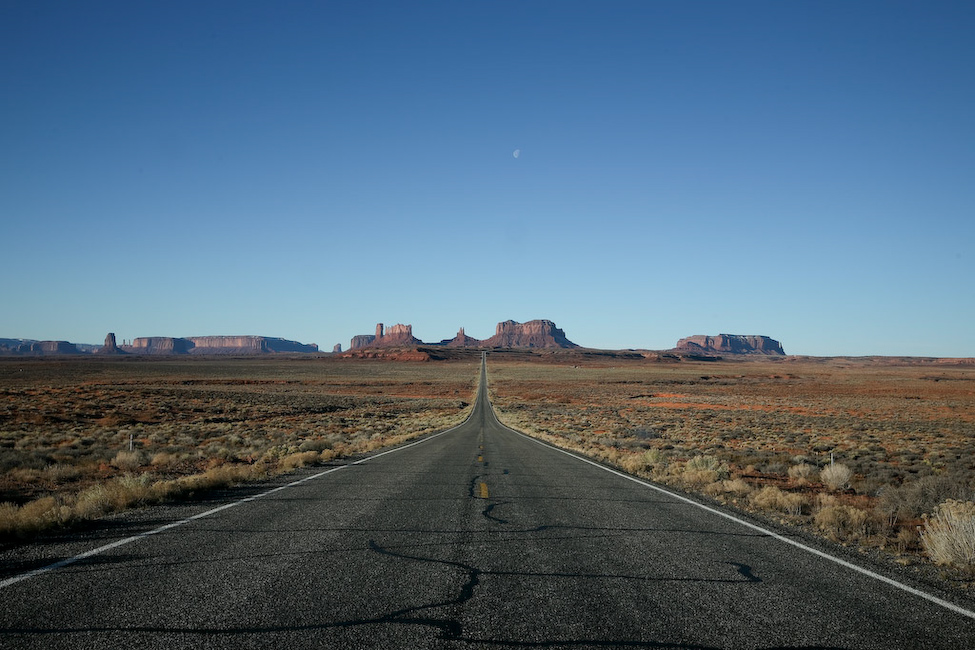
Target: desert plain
[{"x": 862, "y": 451}]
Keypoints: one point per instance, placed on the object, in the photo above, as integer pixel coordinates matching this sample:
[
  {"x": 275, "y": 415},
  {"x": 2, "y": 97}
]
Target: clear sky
[{"x": 803, "y": 170}]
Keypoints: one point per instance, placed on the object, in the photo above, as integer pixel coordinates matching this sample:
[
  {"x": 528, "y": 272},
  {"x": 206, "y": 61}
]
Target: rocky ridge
[
  {"x": 508, "y": 334},
  {"x": 215, "y": 345},
  {"x": 34, "y": 348},
  {"x": 730, "y": 344},
  {"x": 157, "y": 345}
]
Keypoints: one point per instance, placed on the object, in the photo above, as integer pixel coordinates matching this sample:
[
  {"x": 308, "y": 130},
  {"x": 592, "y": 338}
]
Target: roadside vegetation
[
  {"x": 82, "y": 438},
  {"x": 873, "y": 454},
  {"x": 868, "y": 453}
]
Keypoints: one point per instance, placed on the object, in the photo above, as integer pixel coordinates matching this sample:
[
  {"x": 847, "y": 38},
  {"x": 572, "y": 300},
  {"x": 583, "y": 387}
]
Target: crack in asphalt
[
  {"x": 487, "y": 512},
  {"x": 110, "y": 563},
  {"x": 451, "y": 628}
]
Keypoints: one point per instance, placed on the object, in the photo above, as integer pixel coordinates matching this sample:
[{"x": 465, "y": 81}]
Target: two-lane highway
[{"x": 478, "y": 536}]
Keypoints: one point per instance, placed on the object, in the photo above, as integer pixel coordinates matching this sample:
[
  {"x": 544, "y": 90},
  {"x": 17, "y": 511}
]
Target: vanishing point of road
[{"x": 475, "y": 537}]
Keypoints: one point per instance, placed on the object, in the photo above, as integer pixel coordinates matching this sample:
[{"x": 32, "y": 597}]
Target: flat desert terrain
[{"x": 861, "y": 451}]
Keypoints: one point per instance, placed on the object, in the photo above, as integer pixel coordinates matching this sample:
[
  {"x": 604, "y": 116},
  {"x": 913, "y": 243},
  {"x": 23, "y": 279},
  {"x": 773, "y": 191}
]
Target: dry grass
[
  {"x": 836, "y": 476},
  {"x": 773, "y": 499},
  {"x": 949, "y": 535},
  {"x": 197, "y": 424},
  {"x": 841, "y": 522},
  {"x": 803, "y": 473}
]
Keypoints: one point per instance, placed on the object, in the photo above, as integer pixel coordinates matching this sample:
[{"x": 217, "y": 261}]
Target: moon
[{"x": 516, "y": 153}]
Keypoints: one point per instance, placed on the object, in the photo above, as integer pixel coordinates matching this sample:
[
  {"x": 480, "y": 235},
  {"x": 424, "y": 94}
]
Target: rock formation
[
  {"x": 360, "y": 341},
  {"x": 730, "y": 344},
  {"x": 37, "y": 348},
  {"x": 533, "y": 334},
  {"x": 337, "y": 348},
  {"x": 400, "y": 335},
  {"x": 395, "y": 336},
  {"x": 462, "y": 341},
  {"x": 53, "y": 347},
  {"x": 217, "y": 345},
  {"x": 159, "y": 345},
  {"x": 246, "y": 345},
  {"x": 509, "y": 334},
  {"x": 15, "y": 346},
  {"x": 110, "y": 346}
]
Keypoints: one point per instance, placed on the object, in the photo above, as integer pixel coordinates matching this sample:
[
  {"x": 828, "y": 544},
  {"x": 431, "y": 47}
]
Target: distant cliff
[
  {"x": 247, "y": 345},
  {"x": 533, "y": 334},
  {"x": 730, "y": 344},
  {"x": 216, "y": 345},
  {"x": 36, "y": 348},
  {"x": 508, "y": 334},
  {"x": 158, "y": 345}
]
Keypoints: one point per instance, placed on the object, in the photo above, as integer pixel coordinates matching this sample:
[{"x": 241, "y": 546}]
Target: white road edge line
[
  {"x": 849, "y": 565},
  {"x": 134, "y": 538}
]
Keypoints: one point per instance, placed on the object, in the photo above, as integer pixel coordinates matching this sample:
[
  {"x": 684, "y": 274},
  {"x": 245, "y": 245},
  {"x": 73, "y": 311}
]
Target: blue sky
[{"x": 804, "y": 170}]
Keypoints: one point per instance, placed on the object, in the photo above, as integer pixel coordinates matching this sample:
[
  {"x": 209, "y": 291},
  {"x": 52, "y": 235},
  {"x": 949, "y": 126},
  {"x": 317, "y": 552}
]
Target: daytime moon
[{"x": 516, "y": 153}]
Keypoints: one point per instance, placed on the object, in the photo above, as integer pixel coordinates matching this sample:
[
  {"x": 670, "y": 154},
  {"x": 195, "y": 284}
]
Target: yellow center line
[
  {"x": 480, "y": 459},
  {"x": 484, "y": 491}
]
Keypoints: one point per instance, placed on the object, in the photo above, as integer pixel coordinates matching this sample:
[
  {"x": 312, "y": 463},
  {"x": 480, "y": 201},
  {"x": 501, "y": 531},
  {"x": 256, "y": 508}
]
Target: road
[{"x": 476, "y": 537}]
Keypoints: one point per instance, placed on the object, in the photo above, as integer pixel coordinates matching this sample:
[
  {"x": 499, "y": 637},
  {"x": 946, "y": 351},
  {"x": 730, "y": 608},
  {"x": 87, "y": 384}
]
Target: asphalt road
[{"x": 477, "y": 537}]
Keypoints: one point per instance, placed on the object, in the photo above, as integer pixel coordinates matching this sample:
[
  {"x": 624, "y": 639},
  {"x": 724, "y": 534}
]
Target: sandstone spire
[{"x": 110, "y": 346}]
